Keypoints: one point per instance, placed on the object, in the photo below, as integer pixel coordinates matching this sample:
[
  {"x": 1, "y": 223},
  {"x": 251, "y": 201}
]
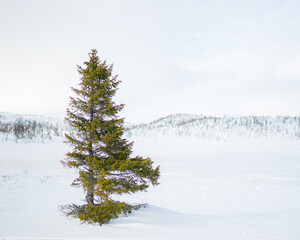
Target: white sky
[{"x": 204, "y": 57}]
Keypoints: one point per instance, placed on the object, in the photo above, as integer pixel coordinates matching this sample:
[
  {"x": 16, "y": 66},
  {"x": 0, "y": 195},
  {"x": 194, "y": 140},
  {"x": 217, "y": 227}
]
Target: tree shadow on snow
[{"x": 154, "y": 215}]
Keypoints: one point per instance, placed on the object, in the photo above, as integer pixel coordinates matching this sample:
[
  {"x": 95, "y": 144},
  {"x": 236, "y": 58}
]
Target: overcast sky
[{"x": 205, "y": 57}]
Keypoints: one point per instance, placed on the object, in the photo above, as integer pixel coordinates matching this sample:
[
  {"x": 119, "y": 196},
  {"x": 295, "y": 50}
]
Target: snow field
[{"x": 209, "y": 190}]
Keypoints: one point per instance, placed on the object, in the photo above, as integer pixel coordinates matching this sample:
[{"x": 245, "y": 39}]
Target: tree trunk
[
  {"x": 90, "y": 195},
  {"x": 90, "y": 190}
]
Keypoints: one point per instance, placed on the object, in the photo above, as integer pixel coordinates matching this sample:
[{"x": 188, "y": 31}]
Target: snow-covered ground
[{"x": 246, "y": 190}]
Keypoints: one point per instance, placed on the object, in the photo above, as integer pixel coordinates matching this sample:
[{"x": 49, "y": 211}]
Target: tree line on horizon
[{"x": 26, "y": 129}]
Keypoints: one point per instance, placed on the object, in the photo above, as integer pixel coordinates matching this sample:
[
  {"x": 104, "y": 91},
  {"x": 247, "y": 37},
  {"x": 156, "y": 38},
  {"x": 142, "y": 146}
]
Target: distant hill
[
  {"x": 29, "y": 127},
  {"x": 218, "y": 128},
  {"x": 192, "y": 126}
]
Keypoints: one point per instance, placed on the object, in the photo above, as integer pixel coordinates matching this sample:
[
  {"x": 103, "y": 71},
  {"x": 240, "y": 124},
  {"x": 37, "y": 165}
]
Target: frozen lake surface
[{"x": 245, "y": 190}]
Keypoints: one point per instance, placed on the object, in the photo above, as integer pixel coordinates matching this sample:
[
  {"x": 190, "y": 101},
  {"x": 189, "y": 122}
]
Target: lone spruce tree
[{"x": 100, "y": 153}]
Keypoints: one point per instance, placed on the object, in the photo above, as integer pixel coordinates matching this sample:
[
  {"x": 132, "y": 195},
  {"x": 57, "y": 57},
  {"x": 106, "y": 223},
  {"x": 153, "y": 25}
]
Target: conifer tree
[{"x": 100, "y": 153}]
